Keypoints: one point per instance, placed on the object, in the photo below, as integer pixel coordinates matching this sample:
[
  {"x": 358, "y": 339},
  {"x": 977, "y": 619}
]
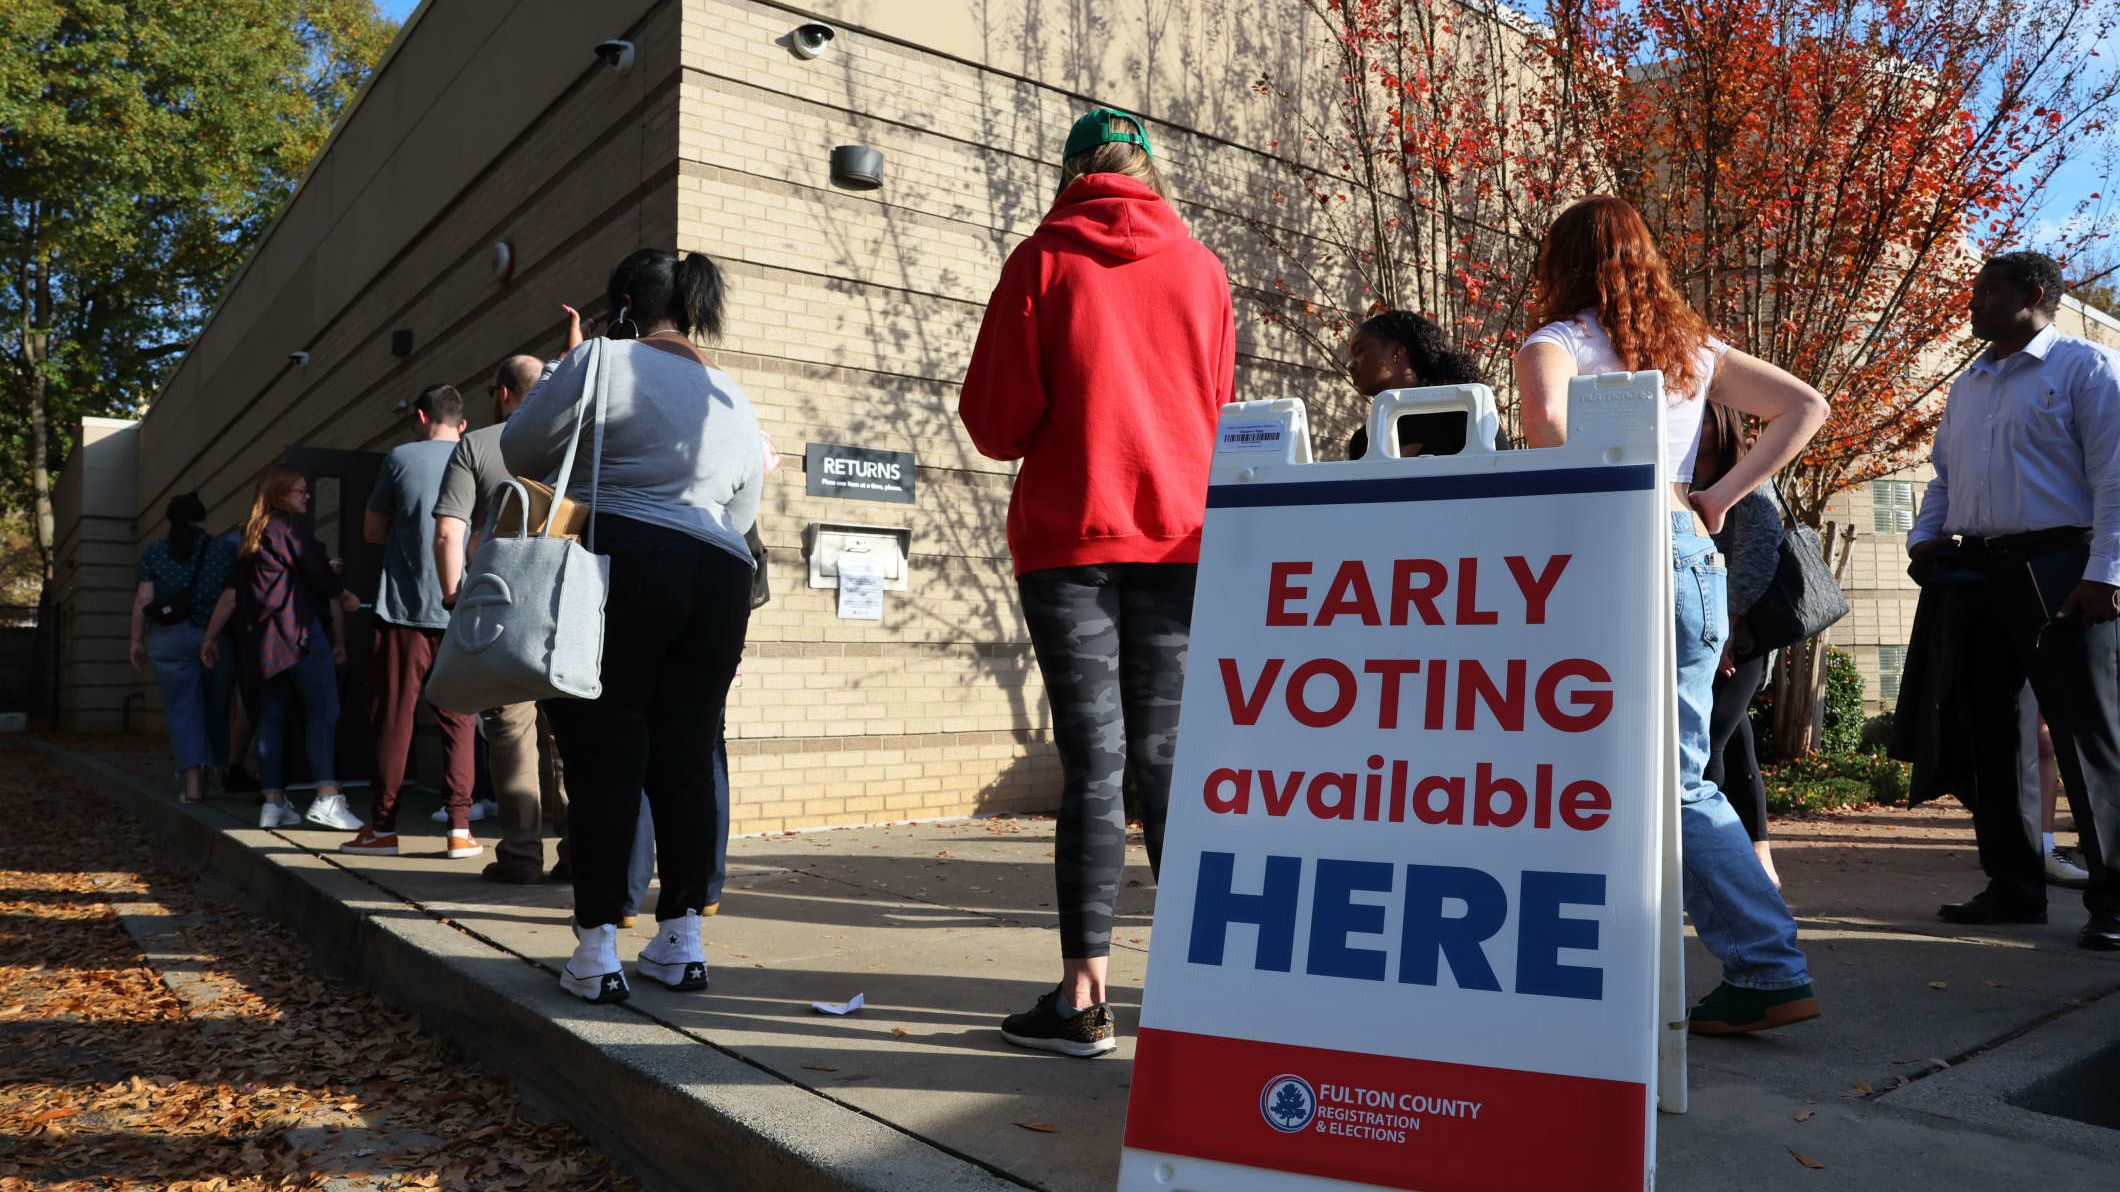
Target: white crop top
[{"x": 1584, "y": 338}]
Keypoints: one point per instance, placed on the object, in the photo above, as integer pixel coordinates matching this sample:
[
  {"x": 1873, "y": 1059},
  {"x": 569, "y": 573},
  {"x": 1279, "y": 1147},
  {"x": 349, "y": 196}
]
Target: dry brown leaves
[{"x": 283, "y": 1080}]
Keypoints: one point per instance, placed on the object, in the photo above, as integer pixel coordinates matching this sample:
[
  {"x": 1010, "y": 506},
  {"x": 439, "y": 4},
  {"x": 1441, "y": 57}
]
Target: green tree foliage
[{"x": 144, "y": 144}]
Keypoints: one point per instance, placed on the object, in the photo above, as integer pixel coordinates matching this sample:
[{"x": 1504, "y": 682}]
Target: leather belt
[{"x": 2031, "y": 542}]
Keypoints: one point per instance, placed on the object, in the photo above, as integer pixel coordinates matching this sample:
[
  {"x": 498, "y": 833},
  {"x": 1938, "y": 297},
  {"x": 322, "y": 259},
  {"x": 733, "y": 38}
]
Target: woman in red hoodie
[{"x": 1107, "y": 352}]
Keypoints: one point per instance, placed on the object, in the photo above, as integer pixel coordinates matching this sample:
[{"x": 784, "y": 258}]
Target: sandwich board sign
[{"x": 1419, "y": 872}]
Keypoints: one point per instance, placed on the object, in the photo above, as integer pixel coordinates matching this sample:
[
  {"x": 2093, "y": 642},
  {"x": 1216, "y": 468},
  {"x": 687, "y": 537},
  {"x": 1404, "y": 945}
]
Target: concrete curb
[{"x": 675, "y": 1111}]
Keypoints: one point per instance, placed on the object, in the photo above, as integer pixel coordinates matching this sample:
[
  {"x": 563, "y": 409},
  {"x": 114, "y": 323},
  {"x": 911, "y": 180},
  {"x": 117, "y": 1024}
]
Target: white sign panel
[{"x": 1407, "y": 925}]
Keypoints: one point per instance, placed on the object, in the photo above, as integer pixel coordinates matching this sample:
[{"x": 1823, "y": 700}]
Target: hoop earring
[{"x": 623, "y": 321}]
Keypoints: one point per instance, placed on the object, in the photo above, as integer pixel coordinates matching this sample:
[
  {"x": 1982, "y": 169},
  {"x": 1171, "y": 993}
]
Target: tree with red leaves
[{"x": 1825, "y": 177}]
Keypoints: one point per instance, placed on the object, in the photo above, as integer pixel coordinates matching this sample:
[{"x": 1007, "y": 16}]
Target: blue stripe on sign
[{"x": 1554, "y": 482}]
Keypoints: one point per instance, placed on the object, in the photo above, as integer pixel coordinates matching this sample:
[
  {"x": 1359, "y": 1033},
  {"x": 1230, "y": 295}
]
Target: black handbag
[
  {"x": 1801, "y": 601},
  {"x": 175, "y": 608},
  {"x": 761, "y": 590}
]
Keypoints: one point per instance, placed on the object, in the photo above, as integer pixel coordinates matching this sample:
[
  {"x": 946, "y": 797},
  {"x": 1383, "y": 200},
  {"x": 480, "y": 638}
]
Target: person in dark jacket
[
  {"x": 1106, "y": 354},
  {"x": 281, "y": 594},
  {"x": 1750, "y": 544}
]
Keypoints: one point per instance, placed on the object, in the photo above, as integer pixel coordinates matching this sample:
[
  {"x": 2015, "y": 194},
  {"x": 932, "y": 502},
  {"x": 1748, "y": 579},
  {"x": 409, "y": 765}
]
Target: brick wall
[{"x": 852, "y": 318}]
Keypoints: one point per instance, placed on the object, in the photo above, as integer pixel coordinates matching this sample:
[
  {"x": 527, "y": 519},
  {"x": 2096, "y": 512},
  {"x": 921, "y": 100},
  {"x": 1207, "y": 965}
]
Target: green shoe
[{"x": 1729, "y": 1010}]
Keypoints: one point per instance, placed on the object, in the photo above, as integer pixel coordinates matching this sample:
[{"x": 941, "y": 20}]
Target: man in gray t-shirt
[
  {"x": 516, "y": 735},
  {"x": 410, "y": 618}
]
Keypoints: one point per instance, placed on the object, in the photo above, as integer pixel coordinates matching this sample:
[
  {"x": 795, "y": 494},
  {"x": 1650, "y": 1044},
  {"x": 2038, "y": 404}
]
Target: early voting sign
[{"x": 1408, "y": 923}]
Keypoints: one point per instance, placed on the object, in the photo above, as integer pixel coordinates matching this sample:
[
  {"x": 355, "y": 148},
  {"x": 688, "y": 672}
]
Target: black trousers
[
  {"x": 674, "y": 626},
  {"x": 1733, "y": 763},
  {"x": 2074, "y": 670}
]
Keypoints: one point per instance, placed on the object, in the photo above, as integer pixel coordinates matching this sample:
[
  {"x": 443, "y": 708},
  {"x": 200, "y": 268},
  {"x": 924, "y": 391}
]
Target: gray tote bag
[{"x": 529, "y": 621}]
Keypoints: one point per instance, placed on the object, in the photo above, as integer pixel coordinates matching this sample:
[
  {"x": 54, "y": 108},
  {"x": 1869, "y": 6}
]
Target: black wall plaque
[{"x": 858, "y": 473}]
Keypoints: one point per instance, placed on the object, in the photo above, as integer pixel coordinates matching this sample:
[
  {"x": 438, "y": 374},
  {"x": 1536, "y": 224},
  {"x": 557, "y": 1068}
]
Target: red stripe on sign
[{"x": 1375, "y": 1119}]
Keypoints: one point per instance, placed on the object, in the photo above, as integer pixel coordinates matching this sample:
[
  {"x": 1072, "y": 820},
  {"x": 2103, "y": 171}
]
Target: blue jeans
[
  {"x": 220, "y": 694},
  {"x": 1739, "y": 914},
  {"x": 315, "y": 681},
  {"x": 182, "y": 679},
  {"x": 640, "y": 866}
]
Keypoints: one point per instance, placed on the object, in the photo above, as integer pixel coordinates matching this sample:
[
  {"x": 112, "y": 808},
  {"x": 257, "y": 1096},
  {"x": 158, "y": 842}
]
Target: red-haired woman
[
  {"x": 280, "y": 593},
  {"x": 1609, "y": 305}
]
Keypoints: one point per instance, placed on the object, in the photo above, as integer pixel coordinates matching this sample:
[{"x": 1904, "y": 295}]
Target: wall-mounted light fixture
[
  {"x": 857, "y": 167},
  {"x": 401, "y": 342},
  {"x": 500, "y": 260},
  {"x": 300, "y": 357}
]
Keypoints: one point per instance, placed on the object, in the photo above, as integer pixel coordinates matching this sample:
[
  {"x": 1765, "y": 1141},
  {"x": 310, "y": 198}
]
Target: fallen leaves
[
  {"x": 1040, "y": 1127},
  {"x": 1804, "y": 1115},
  {"x": 1808, "y": 1161},
  {"x": 252, "y": 1073},
  {"x": 1862, "y": 1089},
  {"x": 1939, "y": 985}
]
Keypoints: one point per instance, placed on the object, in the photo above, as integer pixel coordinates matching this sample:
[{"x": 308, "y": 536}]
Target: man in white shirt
[{"x": 2028, "y": 482}]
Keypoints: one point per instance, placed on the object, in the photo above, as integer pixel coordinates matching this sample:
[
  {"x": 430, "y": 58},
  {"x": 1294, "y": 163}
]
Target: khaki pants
[{"x": 527, "y": 782}]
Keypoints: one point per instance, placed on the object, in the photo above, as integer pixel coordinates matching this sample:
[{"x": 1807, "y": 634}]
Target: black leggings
[
  {"x": 1111, "y": 645},
  {"x": 1733, "y": 764},
  {"x": 673, "y": 634}
]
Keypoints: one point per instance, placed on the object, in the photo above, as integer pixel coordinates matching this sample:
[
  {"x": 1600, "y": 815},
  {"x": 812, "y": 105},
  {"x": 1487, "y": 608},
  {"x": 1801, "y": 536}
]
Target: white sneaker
[
  {"x": 2060, "y": 871},
  {"x": 279, "y": 815},
  {"x": 675, "y": 956},
  {"x": 592, "y": 973},
  {"x": 330, "y": 811}
]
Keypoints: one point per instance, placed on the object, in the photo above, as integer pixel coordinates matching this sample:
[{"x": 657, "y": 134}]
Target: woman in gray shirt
[
  {"x": 680, "y": 477},
  {"x": 1750, "y": 542}
]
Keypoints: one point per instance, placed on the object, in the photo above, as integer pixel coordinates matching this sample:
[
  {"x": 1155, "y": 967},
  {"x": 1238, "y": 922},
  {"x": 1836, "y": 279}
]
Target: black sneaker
[{"x": 1086, "y": 1035}]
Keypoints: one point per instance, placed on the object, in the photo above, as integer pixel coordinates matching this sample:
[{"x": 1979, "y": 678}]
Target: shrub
[
  {"x": 1877, "y": 732},
  {"x": 1799, "y": 796},
  {"x": 1843, "y": 699},
  {"x": 1886, "y": 780}
]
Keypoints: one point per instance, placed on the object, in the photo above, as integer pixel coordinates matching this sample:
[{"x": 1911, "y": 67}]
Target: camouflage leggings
[{"x": 1111, "y": 645}]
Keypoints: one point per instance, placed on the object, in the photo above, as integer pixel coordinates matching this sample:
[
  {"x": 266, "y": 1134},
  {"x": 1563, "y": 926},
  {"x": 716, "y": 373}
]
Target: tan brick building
[{"x": 851, "y": 318}]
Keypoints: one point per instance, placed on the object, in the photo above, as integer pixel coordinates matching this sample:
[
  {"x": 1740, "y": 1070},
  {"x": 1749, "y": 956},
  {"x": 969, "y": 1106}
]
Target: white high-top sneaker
[
  {"x": 675, "y": 956},
  {"x": 592, "y": 973}
]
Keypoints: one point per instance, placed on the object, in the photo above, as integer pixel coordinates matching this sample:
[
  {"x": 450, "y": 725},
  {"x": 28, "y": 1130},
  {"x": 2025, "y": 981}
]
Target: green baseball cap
[{"x": 1096, "y": 129}]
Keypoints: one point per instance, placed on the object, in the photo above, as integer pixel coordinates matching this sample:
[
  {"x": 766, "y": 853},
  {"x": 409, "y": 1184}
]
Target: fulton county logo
[{"x": 1288, "y": 1103}]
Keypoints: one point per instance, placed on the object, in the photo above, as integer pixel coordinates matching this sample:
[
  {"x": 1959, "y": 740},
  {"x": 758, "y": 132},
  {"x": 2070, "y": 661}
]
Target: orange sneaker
[
  {"x": 371, "y": 843},
  {"x": 461, "y": 845}
]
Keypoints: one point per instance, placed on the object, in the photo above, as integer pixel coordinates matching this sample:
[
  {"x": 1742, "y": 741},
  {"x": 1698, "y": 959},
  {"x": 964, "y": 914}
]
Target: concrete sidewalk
[{"x": 1938, "y": 1050}]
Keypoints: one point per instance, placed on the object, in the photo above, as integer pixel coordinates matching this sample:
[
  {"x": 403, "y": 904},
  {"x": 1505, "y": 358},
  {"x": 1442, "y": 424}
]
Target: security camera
[
  {"x": 618, "y": 55},
  {"x": 301, "y": 359},
  {"x": 811, "y": 38}
]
